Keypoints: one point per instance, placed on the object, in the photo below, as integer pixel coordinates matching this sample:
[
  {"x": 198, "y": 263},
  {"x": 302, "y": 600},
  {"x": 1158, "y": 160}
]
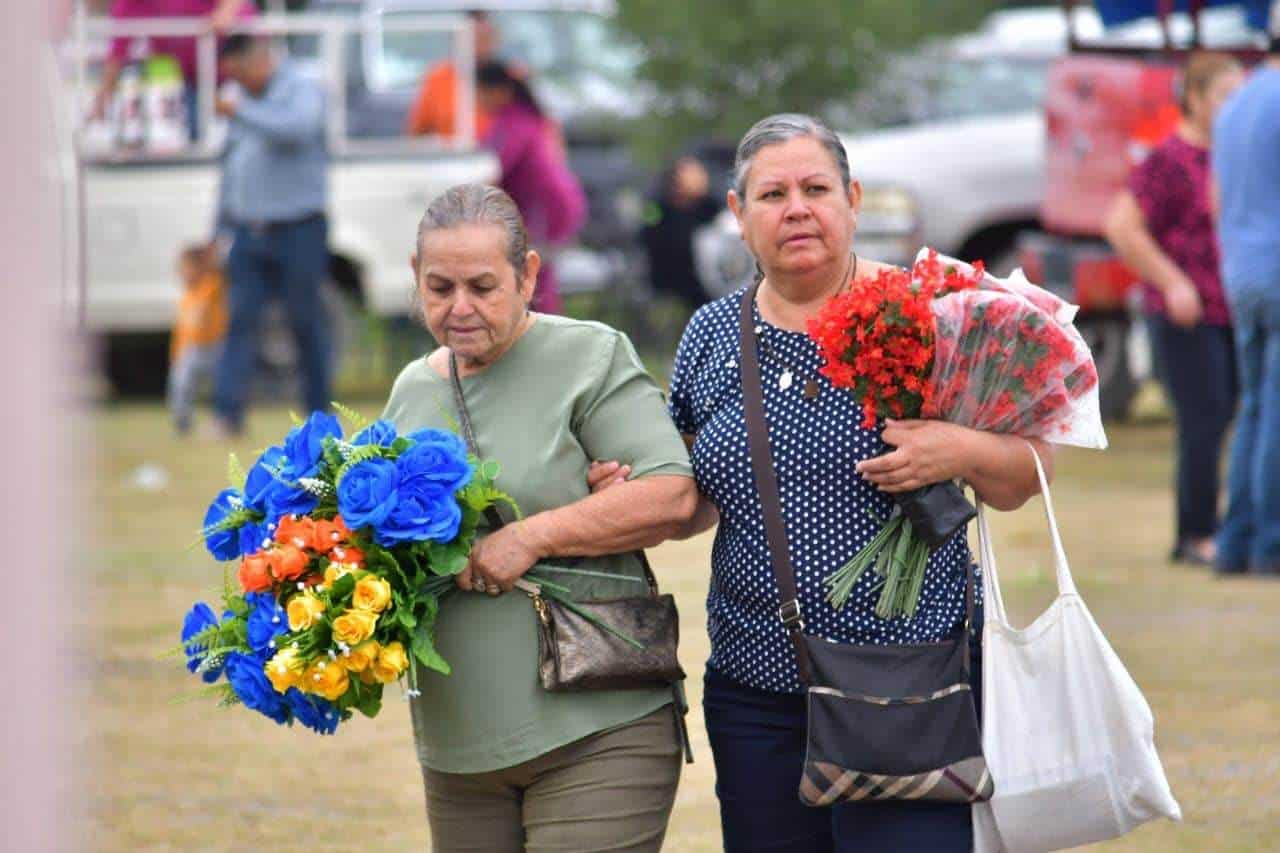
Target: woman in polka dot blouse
[{"x": 797, "y": 206}]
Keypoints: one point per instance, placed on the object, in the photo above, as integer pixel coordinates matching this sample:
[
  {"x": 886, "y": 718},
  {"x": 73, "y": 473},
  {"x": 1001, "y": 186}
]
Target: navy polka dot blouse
[{"x": 825, "y": 504}]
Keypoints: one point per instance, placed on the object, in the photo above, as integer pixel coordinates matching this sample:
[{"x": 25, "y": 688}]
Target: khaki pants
[{"x": 611, "y": 791}]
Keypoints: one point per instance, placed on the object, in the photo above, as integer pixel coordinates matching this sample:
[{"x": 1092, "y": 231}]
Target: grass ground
[{"x": 169, "y": 776}]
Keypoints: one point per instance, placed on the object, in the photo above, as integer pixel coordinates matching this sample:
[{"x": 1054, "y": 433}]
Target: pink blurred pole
[{"x": 38, "y": 512}]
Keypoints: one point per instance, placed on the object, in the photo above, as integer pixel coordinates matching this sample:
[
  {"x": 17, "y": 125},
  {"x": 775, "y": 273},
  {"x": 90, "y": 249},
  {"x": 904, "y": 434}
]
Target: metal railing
[{"x": 333, "y": 32}]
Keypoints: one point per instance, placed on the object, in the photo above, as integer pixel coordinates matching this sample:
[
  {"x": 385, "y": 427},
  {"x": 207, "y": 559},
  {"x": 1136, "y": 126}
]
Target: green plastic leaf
[
  {"x": 425, "y": 651},
  {"x": 351, "y": 416},
  {"x": 342, "y": 587},
  {"x": 448, "y": 559},
  {"x": 235, "y": 472}
]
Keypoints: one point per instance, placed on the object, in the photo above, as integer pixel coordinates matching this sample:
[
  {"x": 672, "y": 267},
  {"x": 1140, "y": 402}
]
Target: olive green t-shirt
[{"x": 566, "y": 393}]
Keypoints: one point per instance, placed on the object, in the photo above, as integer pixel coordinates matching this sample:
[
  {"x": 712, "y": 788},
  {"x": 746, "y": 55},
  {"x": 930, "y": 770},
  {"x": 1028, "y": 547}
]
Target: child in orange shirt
[{"x": 201, "y": 324}]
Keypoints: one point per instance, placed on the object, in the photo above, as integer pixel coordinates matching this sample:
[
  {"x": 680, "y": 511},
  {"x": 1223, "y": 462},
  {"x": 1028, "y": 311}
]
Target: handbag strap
[
  {"x": 491, "y": 513},
  {"x": 767, "y": 486},
  {"x": 987, "y": 556}
]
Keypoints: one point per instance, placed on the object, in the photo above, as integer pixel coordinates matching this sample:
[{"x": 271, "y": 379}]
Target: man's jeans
[
  {"x": 285, "y": 261},
  {"x": 1250, "y": 533}
]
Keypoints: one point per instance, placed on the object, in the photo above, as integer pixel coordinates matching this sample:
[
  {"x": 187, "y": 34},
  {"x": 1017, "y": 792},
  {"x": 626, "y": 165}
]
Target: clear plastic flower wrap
[
  {"x": 1001, "y": 364},
  {"x": 1016, "y": 284}
]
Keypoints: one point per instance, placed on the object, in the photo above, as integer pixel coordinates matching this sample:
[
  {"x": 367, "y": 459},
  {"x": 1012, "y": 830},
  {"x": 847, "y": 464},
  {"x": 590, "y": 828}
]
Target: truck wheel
[
  {"x": 279, "y": 373},
  {"x": 1108, "y": 339},
  {"x": 136, "y": 365}
]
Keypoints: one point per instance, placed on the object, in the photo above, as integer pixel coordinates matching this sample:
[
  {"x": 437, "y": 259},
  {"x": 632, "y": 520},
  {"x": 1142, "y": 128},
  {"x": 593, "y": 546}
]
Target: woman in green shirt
[{"x": 507, "y": 764}]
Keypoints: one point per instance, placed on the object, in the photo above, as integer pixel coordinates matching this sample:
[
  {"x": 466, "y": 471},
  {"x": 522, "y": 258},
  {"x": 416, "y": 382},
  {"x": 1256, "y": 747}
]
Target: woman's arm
[
  {"x": 602, "y": 475},
  {"x": 1127, "y": 232},
  {"x": 635, "y": 514},
  {"x": 998, "y": 467}
]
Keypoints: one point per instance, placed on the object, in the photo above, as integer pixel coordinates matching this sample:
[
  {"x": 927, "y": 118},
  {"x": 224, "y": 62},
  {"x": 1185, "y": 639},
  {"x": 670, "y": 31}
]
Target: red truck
[{"x": 1107, "y": 103}]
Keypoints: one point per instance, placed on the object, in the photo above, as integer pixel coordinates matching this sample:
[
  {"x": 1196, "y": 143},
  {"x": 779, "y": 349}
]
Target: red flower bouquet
[{"x": 947, "y": 341}]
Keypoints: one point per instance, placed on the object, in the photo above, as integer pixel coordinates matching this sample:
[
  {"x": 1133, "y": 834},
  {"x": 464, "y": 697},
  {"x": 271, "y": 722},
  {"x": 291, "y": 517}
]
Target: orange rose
[
  {"x": 288, "y": 563},
  {"x": 330, "y": 533},
  {"x": 255, "y": 573},
  {"x": 296, "y": 530},
  {"x": 348, "y": 556}
]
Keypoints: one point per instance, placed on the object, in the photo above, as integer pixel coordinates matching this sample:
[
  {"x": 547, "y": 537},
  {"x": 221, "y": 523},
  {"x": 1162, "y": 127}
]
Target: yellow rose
[
  {"x": 326, "y": 678},
  {"x": 391, "y": 662},
  {"x": 285, "y": 670},
  {"x": 354, "y": 627},
  {"x": 366, "y": 676},
  {"x": 372, "y": 593},
  {"x": 335, "y": 571},
  {"x": 359, "y": 658},
  {"x": 304, "y": 611}
]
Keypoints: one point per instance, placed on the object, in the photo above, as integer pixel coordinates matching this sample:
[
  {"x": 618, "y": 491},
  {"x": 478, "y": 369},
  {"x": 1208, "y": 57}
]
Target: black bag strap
[
  {"x": 491, "y": 513},
  {"x": 771, "y": 507},
  {"x": 767, "y": 485}
]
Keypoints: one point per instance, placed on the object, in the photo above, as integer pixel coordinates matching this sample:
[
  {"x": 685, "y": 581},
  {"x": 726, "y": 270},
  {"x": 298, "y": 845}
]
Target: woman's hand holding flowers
[
  {"x": 926, "y": 452},
  {"x": 498, "y": 561}
]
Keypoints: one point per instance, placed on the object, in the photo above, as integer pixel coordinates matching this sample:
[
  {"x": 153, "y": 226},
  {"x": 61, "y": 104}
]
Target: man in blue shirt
[
  {"x": 273, "y": 195},
  {"x": 1246, "y": 165}
]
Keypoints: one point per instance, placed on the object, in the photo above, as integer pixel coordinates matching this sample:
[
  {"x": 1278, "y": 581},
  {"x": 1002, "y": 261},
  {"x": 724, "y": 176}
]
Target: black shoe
[
  {"x": 1271, "y": 571},
  {"x": 1230, "y": 569}
]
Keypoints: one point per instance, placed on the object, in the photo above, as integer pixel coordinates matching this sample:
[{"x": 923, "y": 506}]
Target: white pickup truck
[
  {"x": 137, "y": 207},
  {"x": 948, "y": 146}
]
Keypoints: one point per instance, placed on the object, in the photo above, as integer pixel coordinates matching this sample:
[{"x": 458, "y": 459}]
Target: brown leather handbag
[{"x": 576, "y": 653}]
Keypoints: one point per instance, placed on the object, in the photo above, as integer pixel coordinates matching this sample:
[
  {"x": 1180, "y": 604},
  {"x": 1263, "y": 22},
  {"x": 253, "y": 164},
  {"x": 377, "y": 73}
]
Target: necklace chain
[{"x": 811, "y": 388}]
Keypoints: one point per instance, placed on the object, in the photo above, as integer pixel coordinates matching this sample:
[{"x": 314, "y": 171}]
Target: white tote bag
[{"x": 1068, "y": 737}]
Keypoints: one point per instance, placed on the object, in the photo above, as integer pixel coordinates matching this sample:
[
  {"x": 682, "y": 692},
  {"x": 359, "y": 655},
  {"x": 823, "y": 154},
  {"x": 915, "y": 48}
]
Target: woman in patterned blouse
[
  {"x": 1162, "y": 226},
  {"x": 797, "y": 206}
]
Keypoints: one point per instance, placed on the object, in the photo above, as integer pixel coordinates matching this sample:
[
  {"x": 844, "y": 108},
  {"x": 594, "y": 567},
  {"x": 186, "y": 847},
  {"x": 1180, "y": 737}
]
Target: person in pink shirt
[
  {"x": 221, "y": 14},
  {"x": 1162, "y": 226},
  {"x": 535, "y": 172}
]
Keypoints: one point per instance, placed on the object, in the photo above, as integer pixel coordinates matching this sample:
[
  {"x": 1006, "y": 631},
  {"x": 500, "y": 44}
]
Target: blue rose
[
  {"x": 438, "y": 456},
  {"x": 424, "y": 511},
  {"x": 263, "y": 478},
  {"x": 288, "y": 499},
  {"x": 367, "y": 492},
  {"x": 266, "y": 622},
  {"x": 223, "y": 544},
  {"x": 317, "y": 714},
  {"x": 251, "y": 536},
  {"x": 200, "y": 618},
  {"x": 250, "y": 683},
  {"x": 380, "y": 433},
  {"x": 304, "y": 445}
]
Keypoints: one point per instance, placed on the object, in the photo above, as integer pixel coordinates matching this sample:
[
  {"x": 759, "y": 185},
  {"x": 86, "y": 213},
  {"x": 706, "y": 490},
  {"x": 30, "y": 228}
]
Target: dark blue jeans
[
  {"x": 1198, "y": 369},
  {"x": 288, "y": 262},
  {"x": 757, "y": 741},
  {"x": 1250, "y": 534}
]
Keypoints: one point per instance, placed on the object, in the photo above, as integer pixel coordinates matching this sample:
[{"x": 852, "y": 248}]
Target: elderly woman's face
[
  {"x": 797, "y": 215},
  {"x": 471, "y": 297}
]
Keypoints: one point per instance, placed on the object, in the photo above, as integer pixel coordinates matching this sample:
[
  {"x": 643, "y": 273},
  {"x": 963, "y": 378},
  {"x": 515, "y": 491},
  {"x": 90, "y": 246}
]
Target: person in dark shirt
[
  {"x": 681, "y": 205},
  {"x": 1162, "y": 226}
]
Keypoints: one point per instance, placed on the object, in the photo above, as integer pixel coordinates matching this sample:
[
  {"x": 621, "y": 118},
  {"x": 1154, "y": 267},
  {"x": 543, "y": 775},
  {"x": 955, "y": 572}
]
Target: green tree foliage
[{"x": 719, "y": 65}]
